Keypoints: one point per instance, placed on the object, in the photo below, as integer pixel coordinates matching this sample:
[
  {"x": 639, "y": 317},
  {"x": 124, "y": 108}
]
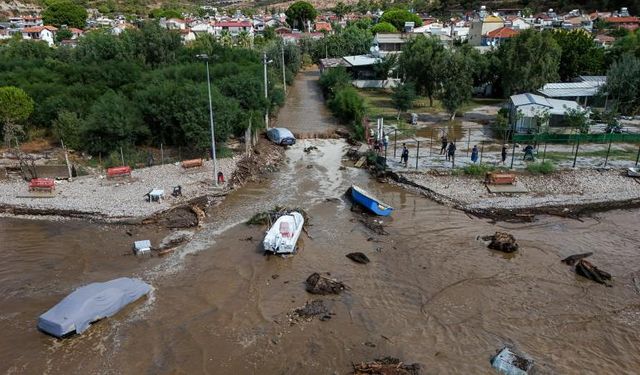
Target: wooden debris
[
  {"x": 316, "y": 284},
  {"x": 572, "y": 259},
  {"x": 503, "y": 241},
  {"x": 588, "y": 270},
  {"x": 386, "y": 366}
]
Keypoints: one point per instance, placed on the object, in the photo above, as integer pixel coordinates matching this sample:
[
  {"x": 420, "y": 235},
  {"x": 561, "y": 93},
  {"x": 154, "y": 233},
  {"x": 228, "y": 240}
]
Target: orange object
[
  {"x": 192, "y": 163},
  {"x": 46, "y": 184},
  {"x": 119, "y": 171},
  {"x": 501, "y": 178}
]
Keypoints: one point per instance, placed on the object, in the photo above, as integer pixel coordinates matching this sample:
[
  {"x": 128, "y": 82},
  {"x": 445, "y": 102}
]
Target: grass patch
[
  {"x": 478, "y": 169},
  {"x": 223, "y": 151},
  {"x": 545, "y": 167}
]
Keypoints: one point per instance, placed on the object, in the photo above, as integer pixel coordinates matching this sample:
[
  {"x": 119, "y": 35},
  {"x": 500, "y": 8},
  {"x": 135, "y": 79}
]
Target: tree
[
  {"x": 397, "y": 17},
  {"x": 67, "y": 128},
  {"x": 383, "y": 27},
  {"x": 64, "y": 12},
  {"x": 422, "y": 62},
  {"x": 332, "y": 80},
  {"x": 348, "y": 106},
  {"x": 113, "y": 122},
  {"x": 580, "y": 54},
  {"x": 456, "y": 83},
  {"x": 63, "y": 34},
  {"x": 341, "y": 9},
  {"x": 225, "y": 39},
  {"x": 578, "y": 119},
  {"x": 244, "y": 39},
  {"x": 623, "y": 84},
  {"x": 15, "y": 106},
  {"x": 300, "y": 13},
  {"x": 403, "y": 97},
  {"x": 528, "y": 61}
]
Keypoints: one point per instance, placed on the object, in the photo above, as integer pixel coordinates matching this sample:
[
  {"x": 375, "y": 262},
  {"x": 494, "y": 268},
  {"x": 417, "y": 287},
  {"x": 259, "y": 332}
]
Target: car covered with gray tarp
[{"x": 91, "y": 303}]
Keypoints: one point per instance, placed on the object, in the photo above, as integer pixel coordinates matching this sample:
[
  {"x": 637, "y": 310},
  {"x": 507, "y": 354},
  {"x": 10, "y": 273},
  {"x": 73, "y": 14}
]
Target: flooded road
[{"x": 432, "y": 293}]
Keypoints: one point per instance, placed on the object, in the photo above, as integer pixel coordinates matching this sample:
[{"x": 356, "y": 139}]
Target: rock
[
  {"x": 386, "y": 366},
  {"x": 358, "y": 257},
  {"x": 316, "y": 284},
  {"x": 309, "y": 149},
  {"x": 588, "y": 270},
  {"x": 572, "y": 259},
  {"x": 175, "y": 239},
  {"x": 503, "y": 241},
  {"x": 311, "y": 309}
]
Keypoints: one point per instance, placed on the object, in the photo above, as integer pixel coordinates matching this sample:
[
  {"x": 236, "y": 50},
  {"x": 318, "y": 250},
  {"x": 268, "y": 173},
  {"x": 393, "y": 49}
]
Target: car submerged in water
[{"x": 281, "y": 136}]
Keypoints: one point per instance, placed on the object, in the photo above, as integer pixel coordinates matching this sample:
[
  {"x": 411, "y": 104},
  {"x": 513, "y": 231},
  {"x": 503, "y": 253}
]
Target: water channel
[{"x": 432, "y": 293}]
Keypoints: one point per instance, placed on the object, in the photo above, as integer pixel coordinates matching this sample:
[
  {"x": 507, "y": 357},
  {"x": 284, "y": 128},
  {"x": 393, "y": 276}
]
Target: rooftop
[{"x": 531, "y": 105}]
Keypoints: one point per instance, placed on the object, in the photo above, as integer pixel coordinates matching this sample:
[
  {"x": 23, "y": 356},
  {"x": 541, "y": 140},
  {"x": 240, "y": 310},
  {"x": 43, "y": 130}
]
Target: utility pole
[
  {"x": 213, "y": 139},
  {"x": 284, "y": 74},
  {"x": 266, "y": 92}
]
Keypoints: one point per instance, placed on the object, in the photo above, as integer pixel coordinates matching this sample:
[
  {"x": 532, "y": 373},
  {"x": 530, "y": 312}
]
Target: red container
[
  {"x": 42, "y": 184},
  {"x": 119, "y": 171}
]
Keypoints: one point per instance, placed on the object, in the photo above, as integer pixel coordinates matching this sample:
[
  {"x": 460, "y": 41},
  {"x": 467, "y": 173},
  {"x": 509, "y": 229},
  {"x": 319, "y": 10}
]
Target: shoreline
[
  {"x": 477, "y": 201},
  {"x": 96, "y": 199}
]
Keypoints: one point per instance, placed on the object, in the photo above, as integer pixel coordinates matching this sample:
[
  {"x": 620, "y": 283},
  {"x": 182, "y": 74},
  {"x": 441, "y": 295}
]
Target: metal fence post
[
  {"x": 417, "y": 154},
  {"x": 544, "y": 152},
  {"x": 606, "y": 159},
  {"x": 513, "y": 153},
  {"x": 638, "y": 156},
  {"x": 161, "y": 154},
  {"x": 575, "y": 156},
  {"x": 395, "y": 142},
  {"x": 468, "y": 142},
  {"x": 481, "y": 150},
  {"x": 431, "y": 144}
]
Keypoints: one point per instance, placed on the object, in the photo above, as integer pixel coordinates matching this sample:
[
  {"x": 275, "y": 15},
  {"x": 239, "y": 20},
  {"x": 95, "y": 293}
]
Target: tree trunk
[
  {"x": 398, "y": 116},
  {"x": 430, "y": 100}
]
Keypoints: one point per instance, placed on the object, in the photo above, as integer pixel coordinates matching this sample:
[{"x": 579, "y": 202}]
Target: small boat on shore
[
  {"x": 368, "y": 201},
  {"x": 90, "y": 303},
  {"x": 283, "y": 235}
]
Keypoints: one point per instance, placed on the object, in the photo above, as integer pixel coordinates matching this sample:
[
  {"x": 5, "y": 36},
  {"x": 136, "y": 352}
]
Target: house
[
  {"x": 4, "y": 34},
  {"x": 384, "y": 43},
  {"x": 173, "y": 24},
  {"x": 187, "y": 35},
  {"x": 516, "y": 23},
  {"x": 578, "y": 22},
  {"x": 202, "y": 28},
  {"x": 629, "y": 23},
  {"x": 44, "y": 33},
  {"x": 31, "y": 21},
  {"x": 294, "y": 37},
  {"x": 581, "y": 92},
  {"x": 497, "y": 36},
  {"x": 234, "y": 28},
  {"x": 481, "y": 26},
  {"x": 604, "y": 41},
  {"x": 75, "y": 33},
  {"x": 323, "y": 27},
  {"x": 528, "y": 112}
]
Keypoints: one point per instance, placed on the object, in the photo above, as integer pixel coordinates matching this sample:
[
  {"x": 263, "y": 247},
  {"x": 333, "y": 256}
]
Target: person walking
[
  {"x": 405, "y": 155},
  {"x": 474, "y": 154},
  {"x": 451, "y": 151},
  {"x": 504, "y": 154},
  {"x": 385, "y": 141},
  {"x": 528, "y": 153},
  {"x": 443, "y": 148}
]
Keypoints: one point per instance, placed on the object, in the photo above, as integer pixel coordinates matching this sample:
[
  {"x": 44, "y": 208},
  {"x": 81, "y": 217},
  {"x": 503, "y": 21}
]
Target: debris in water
[
  {"x": 358, "y": 257},
  {"x": 309, "y": 149},
  {"x": 309, "y": 311},
  {"x": 503, "y": 241},
  {"x": 509, "y": 362},
  {"x": 269, "y": 217},
  {"x": 385, "y": 366},
  {"x": 377, "y": 226},
  {"x": 572, "y": 259},
  {"x": 142, "y": 247},
  {"x": 317, "y": 284},
  {"x": 175, "y": 239},
  {"x": 588, "y": 270}
]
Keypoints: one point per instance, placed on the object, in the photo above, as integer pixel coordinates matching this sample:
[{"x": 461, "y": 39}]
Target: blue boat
[{"x": 368, "y": 201}]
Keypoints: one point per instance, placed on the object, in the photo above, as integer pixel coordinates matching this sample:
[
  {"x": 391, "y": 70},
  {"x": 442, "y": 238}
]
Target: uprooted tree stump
[
  {"x": 358, "y": 257},
  {"x": 317, "y": 284},
  {"x": 588, "y": 270},
  {"x": 386, "y": 366},
  {"x": 504, "y": 242}
]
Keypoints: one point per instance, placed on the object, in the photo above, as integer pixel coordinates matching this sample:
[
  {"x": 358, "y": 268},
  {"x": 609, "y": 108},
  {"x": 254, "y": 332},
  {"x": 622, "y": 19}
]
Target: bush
[
  {"x": 478, "y": 169},
  {"x": 348, "y": 106},
  {"x": 332, "y": 80},
  {"x": 67, "y": 128},
  {"x": 545, "y": 167}
]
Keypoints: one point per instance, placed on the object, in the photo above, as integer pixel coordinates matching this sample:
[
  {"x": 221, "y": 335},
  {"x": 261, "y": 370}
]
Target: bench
[
  {"x": 124, "y": 171},
  {"x": 192, "y": 163},
  {"x": 501, "y": 178},
  {"x": 42, "y": 184}
]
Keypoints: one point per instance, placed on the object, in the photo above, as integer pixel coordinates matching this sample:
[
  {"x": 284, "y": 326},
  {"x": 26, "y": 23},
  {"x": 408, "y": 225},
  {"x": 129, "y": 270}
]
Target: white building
[{"x": 44, "y": 33}]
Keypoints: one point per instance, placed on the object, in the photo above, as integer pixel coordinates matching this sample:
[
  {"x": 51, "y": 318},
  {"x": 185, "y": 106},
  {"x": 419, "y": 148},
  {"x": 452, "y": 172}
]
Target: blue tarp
[{"x": 90, "y": 303}]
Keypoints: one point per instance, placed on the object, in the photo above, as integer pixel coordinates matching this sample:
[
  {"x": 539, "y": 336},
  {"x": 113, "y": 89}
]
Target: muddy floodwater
[{"x": 432, "y": 293}]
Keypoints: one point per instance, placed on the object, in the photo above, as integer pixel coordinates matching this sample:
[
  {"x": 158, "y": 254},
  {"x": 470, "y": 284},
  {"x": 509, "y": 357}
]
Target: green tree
[
  {"x": 456, "y": 83},
  {"x": 332, "y": 80},
  {"x": 348, "y": 106},
  {"x": 67, "y": 127},
  {"x": 528, "y": 61},
  {"x": 385, "y": 66},
  {"x": 15, "y": 106},
  {"x": 65, "y": 12},
  {"x": 113, "y": 122},
  {"x": 623, "y": 84},
  {"x": 244, "y": 39},
  {"x": 397, "y": 17},
  {"x": 340, "y": 9},
  {"x": 403, "y": 97},
  {"x": 300, "y": 13},
  {"x": 422, "y": 62},
  {"x": 383, "y": 27},
  {"x": 580, "y": 54},
  {"x": 63, "y": 34},
  {"x": 577, "y": 118}
]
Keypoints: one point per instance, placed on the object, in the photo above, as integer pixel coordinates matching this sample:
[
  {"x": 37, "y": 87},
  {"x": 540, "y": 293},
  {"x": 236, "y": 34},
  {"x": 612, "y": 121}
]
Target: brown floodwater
[{"x": 432, "y": 293}]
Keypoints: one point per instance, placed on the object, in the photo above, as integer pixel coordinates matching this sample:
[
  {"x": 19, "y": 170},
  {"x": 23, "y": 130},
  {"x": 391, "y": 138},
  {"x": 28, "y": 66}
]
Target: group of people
[{"x": 448, "y": 149}]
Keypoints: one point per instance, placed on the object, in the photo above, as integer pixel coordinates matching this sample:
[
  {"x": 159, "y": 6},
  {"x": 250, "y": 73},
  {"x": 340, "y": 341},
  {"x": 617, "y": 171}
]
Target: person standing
[
  {"x": 451, "y": 151},
  {"x": 405, "y": 155},
  {"x": 504, "y": 154},
  {"x": 474, "y": 154},
  {"x": 443, "y": 148},
  {"x": 385, "y": 142}
]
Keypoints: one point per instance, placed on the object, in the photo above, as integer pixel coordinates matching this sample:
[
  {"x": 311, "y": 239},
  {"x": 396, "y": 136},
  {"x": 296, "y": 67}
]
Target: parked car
[{"x": 281, "y": 136}]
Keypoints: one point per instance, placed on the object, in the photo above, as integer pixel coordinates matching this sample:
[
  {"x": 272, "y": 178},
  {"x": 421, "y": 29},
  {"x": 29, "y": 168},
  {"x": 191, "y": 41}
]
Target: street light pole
[
  {"x": 284, "y": 74},
  {"x": 213, "y": 139},
  {"x": 266, "y": 92}
]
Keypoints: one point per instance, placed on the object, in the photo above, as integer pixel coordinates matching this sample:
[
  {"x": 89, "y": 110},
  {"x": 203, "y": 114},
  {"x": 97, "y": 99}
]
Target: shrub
[
  {"x": 332, "y": 80},
  {"x": 545, "y": 167},
  {"x": 348, "y": 106},
  {"x": 478, "y": 169}
]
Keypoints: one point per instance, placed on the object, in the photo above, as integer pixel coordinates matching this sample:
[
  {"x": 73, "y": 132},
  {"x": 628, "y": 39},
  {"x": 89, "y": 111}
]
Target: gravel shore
[
  {"x": 117, "y": 199},
  {"x": 573, "y": 188}
]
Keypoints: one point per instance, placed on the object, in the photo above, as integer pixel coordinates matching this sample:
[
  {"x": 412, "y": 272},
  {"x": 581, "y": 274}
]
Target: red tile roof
[
  {"x": 502, "y": 33},
  {"x": 622, "y": 19},
  {"x": 323, "y": 26},
  {"x": 234, "y": 24}
]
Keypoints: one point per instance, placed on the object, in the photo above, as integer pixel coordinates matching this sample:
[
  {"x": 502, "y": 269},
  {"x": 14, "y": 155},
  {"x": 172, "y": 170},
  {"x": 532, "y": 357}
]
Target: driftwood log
[
  {"x": 386, "y": 366},
  {"x": 588, "y": 270}
]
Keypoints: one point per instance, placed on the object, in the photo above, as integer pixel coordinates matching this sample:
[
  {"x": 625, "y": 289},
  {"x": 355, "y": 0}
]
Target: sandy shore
[{"x": 569, "y": 192}]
